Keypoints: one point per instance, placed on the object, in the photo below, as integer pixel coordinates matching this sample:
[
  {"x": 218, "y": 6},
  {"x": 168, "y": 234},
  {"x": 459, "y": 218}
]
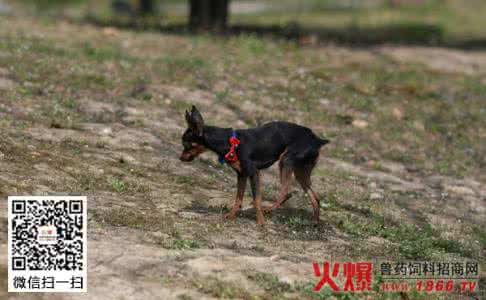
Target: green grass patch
[
  {"x": 221, "y": 289},
  {"x": 107, "y": 53},
  {"x": 121, "y": 217},
  {"x": 414, "y": 241},
  {"x": 134, "y": 217},
  {"x": 185, "y": 244},
  {"x": 184, "y": 179},
  {"x": 89, "y": 80},
  {"x": 117, "y": 184},
  {"x": 270, "y": 283},
  {"x": 306, "y": 290}
]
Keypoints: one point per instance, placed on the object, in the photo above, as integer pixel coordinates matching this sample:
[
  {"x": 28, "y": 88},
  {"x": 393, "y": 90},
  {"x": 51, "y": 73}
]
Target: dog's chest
[{"x": 236, "y": 165}]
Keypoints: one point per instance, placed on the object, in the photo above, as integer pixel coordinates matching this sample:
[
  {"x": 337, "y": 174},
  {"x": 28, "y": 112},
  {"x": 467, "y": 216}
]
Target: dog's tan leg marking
[
  {"x": 257, "y": 197},
  {"x": 303, "y": 176},
  {"x": 240, "y": 193},
  {"x": 285, "y": 181}
]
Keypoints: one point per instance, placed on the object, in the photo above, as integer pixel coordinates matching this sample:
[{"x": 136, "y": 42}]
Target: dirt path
[{"x": 155, "y": 228}]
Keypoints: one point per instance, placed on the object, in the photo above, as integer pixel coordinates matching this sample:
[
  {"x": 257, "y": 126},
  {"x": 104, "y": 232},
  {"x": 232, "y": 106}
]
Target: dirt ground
[{"x": 99, "y": 111}]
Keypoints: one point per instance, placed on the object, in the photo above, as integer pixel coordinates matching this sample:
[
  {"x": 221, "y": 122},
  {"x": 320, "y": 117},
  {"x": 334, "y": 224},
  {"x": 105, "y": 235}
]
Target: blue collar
[{"x": 221, "y": 157}]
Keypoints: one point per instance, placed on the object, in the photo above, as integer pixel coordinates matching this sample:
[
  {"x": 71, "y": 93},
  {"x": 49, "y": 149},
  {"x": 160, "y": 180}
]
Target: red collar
[{"x": 234, "y": 142}]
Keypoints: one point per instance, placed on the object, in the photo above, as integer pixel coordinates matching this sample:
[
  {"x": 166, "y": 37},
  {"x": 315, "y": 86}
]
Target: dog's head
[{"x": 192, "y": 139}]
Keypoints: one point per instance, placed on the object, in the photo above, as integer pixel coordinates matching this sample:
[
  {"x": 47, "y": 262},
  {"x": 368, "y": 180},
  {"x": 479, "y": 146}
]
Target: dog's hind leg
[
  {"x": 285, "y": 181},
  {"x": 239, "y": 197},
  {"x": 303, "y": 176}
]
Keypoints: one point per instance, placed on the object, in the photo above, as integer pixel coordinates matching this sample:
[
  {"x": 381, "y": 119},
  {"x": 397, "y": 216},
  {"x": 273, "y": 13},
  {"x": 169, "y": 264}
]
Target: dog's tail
[
  {"x": 310, "y": 154},
  {"x": 321, "y": 142}
]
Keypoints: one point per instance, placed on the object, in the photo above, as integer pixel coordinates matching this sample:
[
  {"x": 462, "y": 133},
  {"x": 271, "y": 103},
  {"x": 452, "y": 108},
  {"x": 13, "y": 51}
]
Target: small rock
[
  {"x": 325, "y": 204},
  {"x": 398, "y": 188},
  {"x": 249, "y": 106},
  {"x": 110, "y": 31},
  {"x": 393, "y": 166},
  {"x": 460, "y": 190},
  {"x": 6, "y": 84},
  {"x": 301, "y": 71},
  {"x": 377, "y": 240},
  {"x": 160, "y": 235},
  {"x": 376, "y": 196},
  {"x": 397, "y": 113},
  {"x": 419, "y": 125},
  {"x": 274, "y": 257},
  {"x": 128, "y": 158},
  {"x": 106, "y": 131},
  {"x": 240, "y": 123},
  {"x": 324, "y": 101},
  {"x": 189, "y": 215},
  {"x": 3, "y": 71},
  {"x": 360, "y": 124}
]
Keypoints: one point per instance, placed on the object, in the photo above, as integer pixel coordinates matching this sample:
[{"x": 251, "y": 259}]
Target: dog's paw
[
  {"x": 229, "y": 216},
  {"x": 260, "y": 222},
  {"x": 268, "y": 209}
]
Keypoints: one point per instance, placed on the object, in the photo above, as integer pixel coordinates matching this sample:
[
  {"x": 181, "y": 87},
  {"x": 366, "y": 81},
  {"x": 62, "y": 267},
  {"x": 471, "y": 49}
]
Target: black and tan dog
[{"x": 248, "y": 151}]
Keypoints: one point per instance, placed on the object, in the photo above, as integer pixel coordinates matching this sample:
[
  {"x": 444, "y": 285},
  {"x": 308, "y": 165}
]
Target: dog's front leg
[
  {"x": 257, "y": 196},
  {"x": 240, "y": 193}
]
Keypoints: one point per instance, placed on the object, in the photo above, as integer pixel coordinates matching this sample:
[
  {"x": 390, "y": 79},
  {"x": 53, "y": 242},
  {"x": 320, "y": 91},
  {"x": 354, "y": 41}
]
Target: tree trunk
[
  {"x": 146, "y": 7},
  {"x": 208, "y": 14},
  {"x": 220, "y": 13}
]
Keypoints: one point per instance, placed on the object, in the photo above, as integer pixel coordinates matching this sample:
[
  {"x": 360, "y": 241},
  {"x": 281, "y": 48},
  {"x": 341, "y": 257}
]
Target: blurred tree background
[
  {"x": 433, "y": 22},
  {"x": 203, "y": 14}
]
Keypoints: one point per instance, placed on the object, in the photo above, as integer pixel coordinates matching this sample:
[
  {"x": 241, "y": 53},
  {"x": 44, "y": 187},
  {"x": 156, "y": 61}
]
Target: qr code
[{"x": 47, "y": 244}]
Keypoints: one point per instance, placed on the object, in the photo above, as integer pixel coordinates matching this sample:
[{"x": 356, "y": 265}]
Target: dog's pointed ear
[
  {"x": 195, "y": 121},
  {"x": 188, "y": 119},
  {"x": 198, "y": 120}
]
